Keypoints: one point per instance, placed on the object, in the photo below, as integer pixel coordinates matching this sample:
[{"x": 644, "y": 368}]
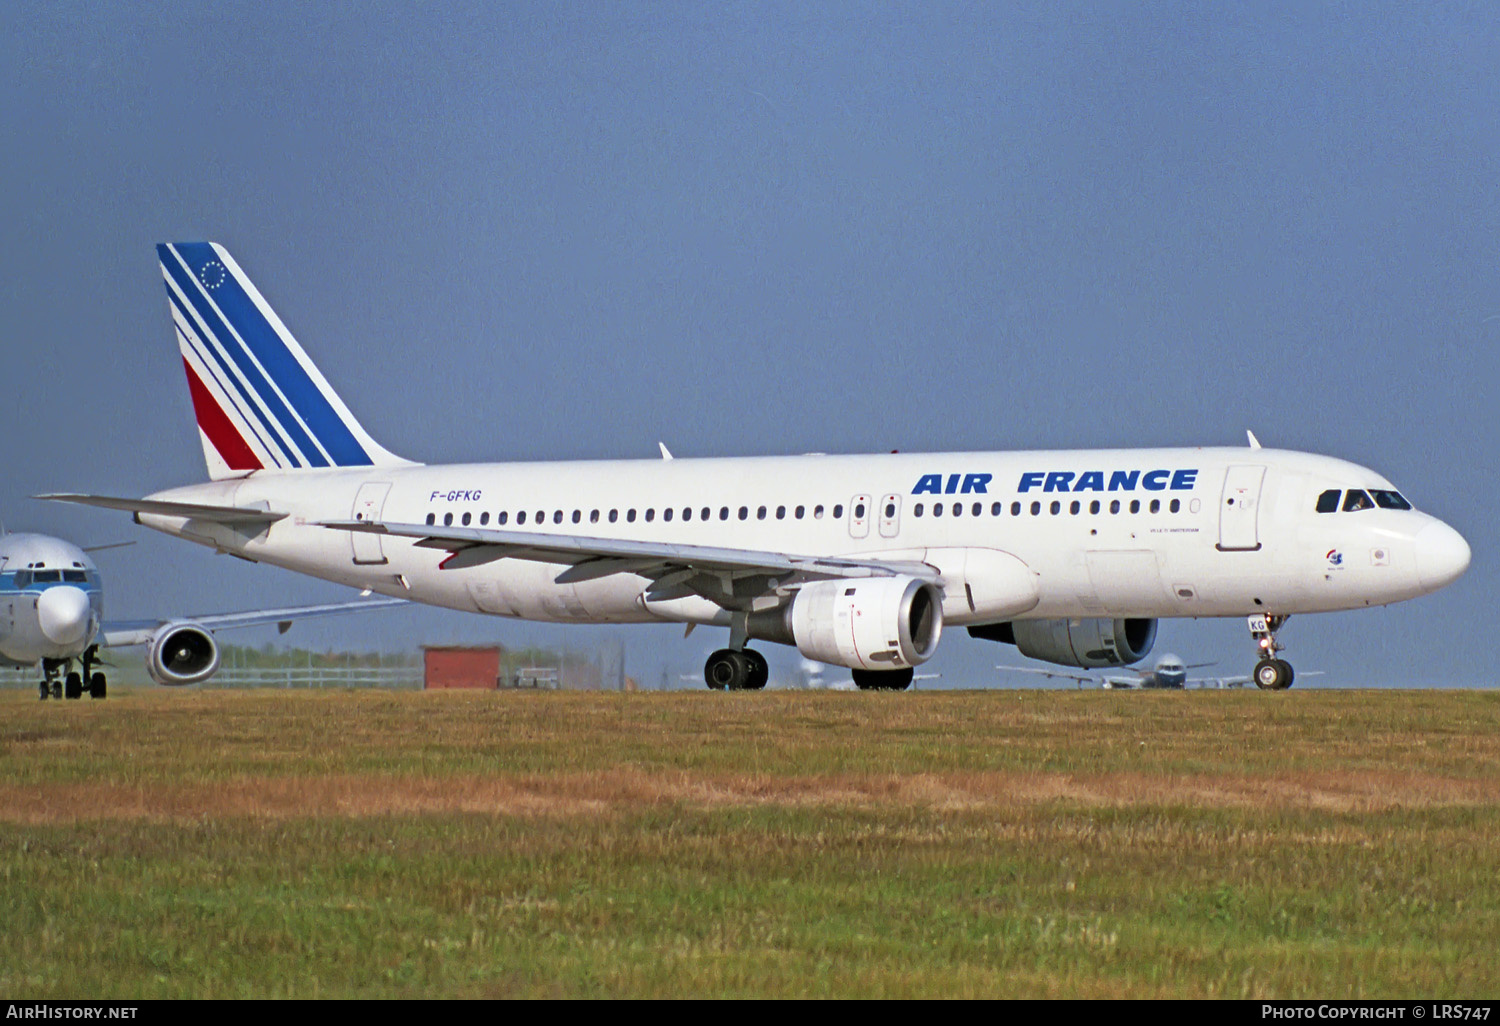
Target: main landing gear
[
  {"x": 73, "y": 684},
  {"x": 731, "y": 669},
  {"x": 1271, "y": 673},
  {"x": 884, "y": 680}
]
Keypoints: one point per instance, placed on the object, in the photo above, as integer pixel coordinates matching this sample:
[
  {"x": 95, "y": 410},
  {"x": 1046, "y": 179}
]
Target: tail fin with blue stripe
[{"x": 261, "y": 404}]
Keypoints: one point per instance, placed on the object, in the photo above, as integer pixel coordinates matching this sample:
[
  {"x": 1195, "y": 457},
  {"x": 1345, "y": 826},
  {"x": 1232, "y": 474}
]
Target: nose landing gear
[{"x": 1271, "y": 673}]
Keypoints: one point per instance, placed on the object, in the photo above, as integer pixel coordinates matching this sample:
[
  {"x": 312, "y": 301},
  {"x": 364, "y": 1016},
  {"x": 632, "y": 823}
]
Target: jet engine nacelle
[
  {"x": 181, "y": 653},
  {"x": 1089, "y": 643},
  {"x": 869, "y": 623}
]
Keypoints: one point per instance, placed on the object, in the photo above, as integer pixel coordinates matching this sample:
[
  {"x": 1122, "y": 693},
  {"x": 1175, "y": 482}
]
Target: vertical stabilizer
[{"x": 260, "y": 402}]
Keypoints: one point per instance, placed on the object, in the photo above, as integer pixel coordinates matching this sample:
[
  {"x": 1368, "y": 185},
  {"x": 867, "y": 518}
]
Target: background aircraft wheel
[
  {"x": 73, "y": 687},
  {"x": 727, "y": 670},
  {"x": 57, "y": 689},
  {"x": 760, "y": 670},
  {"x": 45, "y": 690},
  {"x": 883, "y": 680},
  {"x": 96, "y": 686}
]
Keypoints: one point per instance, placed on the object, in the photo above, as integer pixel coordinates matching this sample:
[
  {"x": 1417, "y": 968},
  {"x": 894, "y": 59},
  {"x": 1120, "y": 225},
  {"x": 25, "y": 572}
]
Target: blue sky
[{"x": 563, "y": 231}]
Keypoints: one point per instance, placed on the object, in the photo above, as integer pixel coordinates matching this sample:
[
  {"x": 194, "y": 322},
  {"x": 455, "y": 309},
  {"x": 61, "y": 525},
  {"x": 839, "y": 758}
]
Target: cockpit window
[
  {"x": 75, "y": 576},
  {"x": 48, "y": 576},
  {"x": 1328, "y": 502},
  {"x": 1390, "y": 500},
  {"x": 23, "y": 578},
  {"x": 1356, "y": 500}
]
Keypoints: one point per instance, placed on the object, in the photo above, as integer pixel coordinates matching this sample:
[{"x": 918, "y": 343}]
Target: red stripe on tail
[{"x": 216, "y": 425}]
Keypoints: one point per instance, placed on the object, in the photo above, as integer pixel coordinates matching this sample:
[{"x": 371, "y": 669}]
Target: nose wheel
[{"x": 1271, "y": 673}]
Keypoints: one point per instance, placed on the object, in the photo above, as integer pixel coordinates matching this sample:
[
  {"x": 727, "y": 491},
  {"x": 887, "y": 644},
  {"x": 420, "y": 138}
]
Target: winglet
[
  {"x": 664, "y": 454},
  {"x": 1254, "y": 442}
]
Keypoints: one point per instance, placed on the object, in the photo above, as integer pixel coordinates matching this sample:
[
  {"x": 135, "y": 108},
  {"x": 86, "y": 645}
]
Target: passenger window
[
  {"x": 799, "y": 511},
  {"x": 937, "y": 509},
  {"x": 447, "y": 519},
  {"x": 1135, "y": 505},
  {"x": 723, "y": 512},
  {"x": 890, "y": 510},
  {"x": 593, "y": 516},
  {"x": 1094, "y": 506},
  {"x": 630, "y": 516},
  {"x": 1328, "y": 502},
  {"x": 704, "y": 513},
  {"x": 466, "y": 519},
  {"x": 780, "y": 512},
  {"x": 1176, "y": 505},
  {"x": 916, "y": 510},
  {"x": 978, "y": 508},
  {"x": 760, "y": 514},
  {"x": 687, "y": 512},
  {"x": 996, "y": 509},
  {"x": 650, "y": 515},
  {"x": 1015, "y": 509},
  {"x": 1390, "y": 500},
  {"x": 521, "y": 517},
  {"x": 578, "y": 516},
  {"x": 1354, "y": 500},
  {"x": 838, "y": 511},
  {"x": 744, "y": 512},
  {"x": 431, "y": 519},
  {"x": 1074, "y": 507},
  {"x": 502, "y": 517},
  {"x": 541, "y": 516},
  {"x": 484, "y": 518},
  {"x": 859, "y": 511},
  {"x": 1156, "y": 505},
  {"x": 614, "y": 515},
  {"x": 666, "y": 514},
  {"x": 958, "y": 509},
  {"x": 817, "y": 512},
  {"x": 1056, "y": 507},
  {"x": 1114, "y": 505},
  {"x": 557, "y": 517},
  {"x": 1036, "y": 509}
]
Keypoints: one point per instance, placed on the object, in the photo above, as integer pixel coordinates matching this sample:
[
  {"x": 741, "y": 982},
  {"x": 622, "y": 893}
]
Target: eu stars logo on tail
[{"x": 260, "y": 402}]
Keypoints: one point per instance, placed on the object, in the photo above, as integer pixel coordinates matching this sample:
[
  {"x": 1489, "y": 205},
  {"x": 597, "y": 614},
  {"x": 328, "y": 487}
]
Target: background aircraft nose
[
  {"x": 1442, "y": 555},
  {"x": 63, "y": 615}
]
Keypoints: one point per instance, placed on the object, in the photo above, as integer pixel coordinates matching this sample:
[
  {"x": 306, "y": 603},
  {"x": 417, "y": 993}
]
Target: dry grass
[{"x": 976, "y": 844}]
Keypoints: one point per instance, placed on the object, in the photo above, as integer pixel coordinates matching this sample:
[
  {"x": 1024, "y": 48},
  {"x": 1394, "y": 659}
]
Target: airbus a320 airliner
[{"x": 859, "y": 561}]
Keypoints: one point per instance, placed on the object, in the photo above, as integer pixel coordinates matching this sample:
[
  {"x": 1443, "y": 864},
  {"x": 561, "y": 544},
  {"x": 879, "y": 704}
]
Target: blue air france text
[{"x": 1118, "y": 481}]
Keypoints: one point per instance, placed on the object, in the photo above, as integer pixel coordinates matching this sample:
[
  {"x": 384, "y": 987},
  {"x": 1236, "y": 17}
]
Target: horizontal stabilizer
[
  {"x": 231, "y": 515},
  {"x": 139, "y": 632}
]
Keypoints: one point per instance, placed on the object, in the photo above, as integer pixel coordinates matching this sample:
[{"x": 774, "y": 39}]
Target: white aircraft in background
[
  {"x": 52, "y": 610},
  {"x": 857, "y": 561},
  {"x": 1169, "y": 672}
]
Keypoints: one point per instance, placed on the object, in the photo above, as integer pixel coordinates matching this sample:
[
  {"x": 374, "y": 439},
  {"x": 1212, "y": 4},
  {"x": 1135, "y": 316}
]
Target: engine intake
[
  {"x": 181, "y": 653},
  {"x": 1088, "y": 643},
  {"x": 871, "y": 623}
]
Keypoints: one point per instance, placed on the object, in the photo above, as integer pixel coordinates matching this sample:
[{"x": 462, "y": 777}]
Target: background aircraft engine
[
  {"x": 872, "y": 623},
  {"x": 1090, "y": 643},
  {"x": 181, "y": 653}
]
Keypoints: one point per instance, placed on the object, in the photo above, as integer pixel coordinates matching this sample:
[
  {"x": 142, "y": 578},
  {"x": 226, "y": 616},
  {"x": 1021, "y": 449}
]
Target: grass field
[{"x": 999, "y": 843}]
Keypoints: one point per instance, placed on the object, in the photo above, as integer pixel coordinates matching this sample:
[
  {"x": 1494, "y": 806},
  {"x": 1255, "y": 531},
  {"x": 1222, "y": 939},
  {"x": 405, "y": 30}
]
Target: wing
[
  {"x": 120, "y": 633},
  {"x": 676, "y": 571},
  {"x": 1217, "y": 682},
  {"x": 1080, "y": 678}
]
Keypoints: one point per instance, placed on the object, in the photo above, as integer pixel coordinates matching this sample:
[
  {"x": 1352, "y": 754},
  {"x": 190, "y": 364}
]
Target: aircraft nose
[
  {"x": 1442, "y": 555},
  {"x": 63, "y": 615}
]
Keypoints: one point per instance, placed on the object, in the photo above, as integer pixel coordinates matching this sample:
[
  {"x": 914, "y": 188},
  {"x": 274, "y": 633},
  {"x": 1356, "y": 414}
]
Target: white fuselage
[
  {"x": 1175, "y": 533},
  {"x": 51, "y": 600}
]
